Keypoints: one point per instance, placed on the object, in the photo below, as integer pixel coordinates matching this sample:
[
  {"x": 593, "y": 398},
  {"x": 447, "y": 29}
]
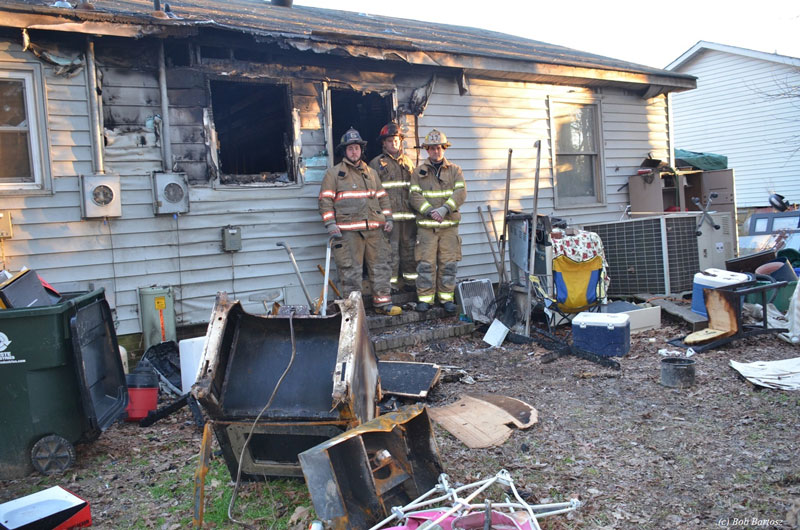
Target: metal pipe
[
  {"x": 166, "y": 138},
  {"x": 505, "y": 211},
  {"x": 534, "y": 222},
  {"x": 491, "y": 247},
  {"x": 327, "y": 275},
  {"x": 297, "y": 270},
  {"x": 94, "y": 109},
  {"x": 498, "y": 243}
]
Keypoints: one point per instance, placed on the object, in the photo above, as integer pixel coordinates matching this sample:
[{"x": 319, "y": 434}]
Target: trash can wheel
[{"x": 52, "y": 454}]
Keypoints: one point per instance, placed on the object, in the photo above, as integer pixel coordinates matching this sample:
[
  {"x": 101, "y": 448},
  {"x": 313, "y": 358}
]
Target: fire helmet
[
  {"x": 352, "y": 136},
  {"x": 390, "y": 129},
  {"x": 436, "y": 138}
]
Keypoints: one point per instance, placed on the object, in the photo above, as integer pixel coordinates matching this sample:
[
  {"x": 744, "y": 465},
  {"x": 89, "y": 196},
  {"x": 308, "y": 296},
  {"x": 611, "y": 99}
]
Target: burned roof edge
[{"x": 137, "y": 25}]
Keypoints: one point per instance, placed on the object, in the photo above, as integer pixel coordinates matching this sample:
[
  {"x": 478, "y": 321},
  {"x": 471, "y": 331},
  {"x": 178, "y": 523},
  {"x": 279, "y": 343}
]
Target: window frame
[
  {"x": 600, "y": 198},
  {"x": 294, "y": 169},
  {"x": 38, "y": 139}
]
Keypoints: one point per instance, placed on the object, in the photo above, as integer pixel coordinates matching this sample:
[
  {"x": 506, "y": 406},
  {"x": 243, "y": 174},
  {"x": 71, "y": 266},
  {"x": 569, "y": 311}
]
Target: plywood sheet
[{"x": 483, "y": 421}]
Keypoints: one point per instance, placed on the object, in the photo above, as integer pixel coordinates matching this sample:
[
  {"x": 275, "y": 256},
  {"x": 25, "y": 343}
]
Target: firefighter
[
  {"x": 356, "y": 211},
  {"x": 394, "y": 169},
  {"x": 437, "y": 192}
]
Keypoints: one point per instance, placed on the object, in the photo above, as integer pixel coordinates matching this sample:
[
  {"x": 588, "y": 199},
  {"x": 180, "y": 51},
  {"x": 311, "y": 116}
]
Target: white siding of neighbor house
[
  {"x": 141, "y": 249},
  {"x": 731, "y": 113}
]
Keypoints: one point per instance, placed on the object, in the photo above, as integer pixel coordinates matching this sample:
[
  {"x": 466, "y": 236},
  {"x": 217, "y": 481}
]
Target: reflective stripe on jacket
[
  {"x": 430, "y": 190},
  {"x": 351, "y": 195},
  {"x": 395, "y": 175}
]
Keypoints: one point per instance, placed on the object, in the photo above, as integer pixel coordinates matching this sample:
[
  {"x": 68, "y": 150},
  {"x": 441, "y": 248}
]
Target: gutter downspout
[
  {"x": 95, "y": 110},
  {"x": 166, "y": 138}
]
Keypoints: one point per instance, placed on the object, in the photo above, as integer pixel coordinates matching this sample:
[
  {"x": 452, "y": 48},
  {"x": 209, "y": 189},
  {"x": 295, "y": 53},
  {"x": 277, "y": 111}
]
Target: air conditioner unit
[
  {"x": 170, "y": 193},
  {"x": 715, "y": 247},
  {"x": 655, "y": 255},
  {"x": 100, "y": 196}
]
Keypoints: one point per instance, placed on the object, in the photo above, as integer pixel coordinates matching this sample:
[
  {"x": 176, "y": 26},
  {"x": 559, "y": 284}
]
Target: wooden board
[{"x": 484, "y": 421}]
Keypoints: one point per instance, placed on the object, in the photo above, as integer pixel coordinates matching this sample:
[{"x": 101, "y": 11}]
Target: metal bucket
[{"x": 677, "y": 372}]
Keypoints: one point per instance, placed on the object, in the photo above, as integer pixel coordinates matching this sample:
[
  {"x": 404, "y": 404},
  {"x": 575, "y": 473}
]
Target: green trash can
[{"x": 61, "y": 382}]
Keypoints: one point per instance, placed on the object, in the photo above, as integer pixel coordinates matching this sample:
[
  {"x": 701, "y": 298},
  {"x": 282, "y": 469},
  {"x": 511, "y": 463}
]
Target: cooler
[
  {"x": 711, "y": 279},
  {"x": 604, "y": 334}
]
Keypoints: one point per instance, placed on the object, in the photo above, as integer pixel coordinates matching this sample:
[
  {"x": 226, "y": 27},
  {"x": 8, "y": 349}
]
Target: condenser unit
[
  {"x": 100, "y": 196},
  {"x": 656, "y": 255},
  {"x": 170, "y": 193}
]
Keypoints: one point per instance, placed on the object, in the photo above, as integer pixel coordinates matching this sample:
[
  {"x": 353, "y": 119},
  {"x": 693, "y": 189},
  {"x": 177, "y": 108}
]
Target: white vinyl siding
[
  {"x": 497, "y": 115},
  {"x": 731, "y": 113}
]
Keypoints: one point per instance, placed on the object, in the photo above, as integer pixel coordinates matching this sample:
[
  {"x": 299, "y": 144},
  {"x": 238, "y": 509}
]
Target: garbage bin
[{"x": 61, "y": 381}]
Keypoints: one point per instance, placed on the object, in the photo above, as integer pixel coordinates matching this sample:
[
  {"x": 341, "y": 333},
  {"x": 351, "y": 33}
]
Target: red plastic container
[{"x": 142, "y": 395}]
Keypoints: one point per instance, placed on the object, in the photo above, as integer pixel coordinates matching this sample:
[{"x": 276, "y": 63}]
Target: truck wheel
[{"x": 52, "y": 454}]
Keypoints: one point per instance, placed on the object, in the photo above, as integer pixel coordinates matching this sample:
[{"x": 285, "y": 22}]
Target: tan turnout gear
[
  {"x": 438, "y": 248},
  {"x": 351, "y": 195},
  {"x": 395, "y": 175}
]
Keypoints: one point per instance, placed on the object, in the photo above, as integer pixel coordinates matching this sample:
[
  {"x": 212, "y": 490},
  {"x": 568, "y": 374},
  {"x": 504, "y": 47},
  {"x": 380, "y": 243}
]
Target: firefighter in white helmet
[
  {"x": 394, "y": 169},
  {"x": 356, "y": 211},
  {"x": 437, "y": 192}
]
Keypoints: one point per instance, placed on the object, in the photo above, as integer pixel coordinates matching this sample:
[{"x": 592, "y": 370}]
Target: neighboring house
[
  {"x": 746, "y": 107},
  {"x": 253, "y": 98}
]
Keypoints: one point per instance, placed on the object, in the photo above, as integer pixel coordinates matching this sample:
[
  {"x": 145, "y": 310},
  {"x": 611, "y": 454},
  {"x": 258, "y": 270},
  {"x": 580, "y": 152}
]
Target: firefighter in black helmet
[
  {"x": 356, "y": 210},
  {"x": 394, "y": 169}
]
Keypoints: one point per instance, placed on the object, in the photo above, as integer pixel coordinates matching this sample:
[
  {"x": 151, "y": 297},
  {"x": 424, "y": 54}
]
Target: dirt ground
[{"x": 639, "y": 455}]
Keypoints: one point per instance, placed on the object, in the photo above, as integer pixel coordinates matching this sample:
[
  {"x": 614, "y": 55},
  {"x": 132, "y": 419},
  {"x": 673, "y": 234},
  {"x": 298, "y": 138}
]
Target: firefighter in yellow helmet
[
  {"x": 394, "y": 169},
  {"x": 356, "y": 211},
  {"x": 437, "y": 192}
]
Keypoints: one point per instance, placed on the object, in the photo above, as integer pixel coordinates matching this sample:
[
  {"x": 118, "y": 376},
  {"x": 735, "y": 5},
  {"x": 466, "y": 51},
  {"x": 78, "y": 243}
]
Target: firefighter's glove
[
  {"x": 437, "y": 214},
  {"x": 388, "y": 226},
  {"x": 333, "y": 230}
]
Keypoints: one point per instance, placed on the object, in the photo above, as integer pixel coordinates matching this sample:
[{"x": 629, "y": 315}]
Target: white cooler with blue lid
[
  {"x": 711, "y": 279},
  {"x": 604, "y": 334}
]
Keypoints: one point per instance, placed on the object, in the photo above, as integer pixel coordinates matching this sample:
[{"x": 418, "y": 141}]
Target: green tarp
[{"x": 704, "y": 161}]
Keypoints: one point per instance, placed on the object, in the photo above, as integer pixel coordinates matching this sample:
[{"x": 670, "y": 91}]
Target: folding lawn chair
[{"x": 577, "y": 286}]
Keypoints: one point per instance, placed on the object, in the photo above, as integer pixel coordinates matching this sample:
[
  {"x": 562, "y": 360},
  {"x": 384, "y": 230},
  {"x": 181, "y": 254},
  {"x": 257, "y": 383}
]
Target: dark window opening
[
  {"x": 253, "y": 125},
  {"x": 214, "y": 52},
  {"x": 178, "y": 53},
  {"x": 367, "y": 113},
  {"x": 253, "y": 56}
]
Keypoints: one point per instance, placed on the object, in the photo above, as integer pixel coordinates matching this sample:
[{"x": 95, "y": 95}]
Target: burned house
[{"x": 175, "y": 147}]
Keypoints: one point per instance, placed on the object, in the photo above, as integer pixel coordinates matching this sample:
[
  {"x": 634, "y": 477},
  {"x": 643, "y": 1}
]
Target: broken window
[
  {"x": 366, "y": 112},
  {"x": 253, "y": 126},
  {"x": 578, "y": 173},
  {"x": 21, "y": 149}
]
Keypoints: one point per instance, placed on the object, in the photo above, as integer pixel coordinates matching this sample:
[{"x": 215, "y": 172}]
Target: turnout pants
[
  {"x": 403, "y": 239},
  {"x": 355, "y": 248},
  {"x": 438, "y": 252}
]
